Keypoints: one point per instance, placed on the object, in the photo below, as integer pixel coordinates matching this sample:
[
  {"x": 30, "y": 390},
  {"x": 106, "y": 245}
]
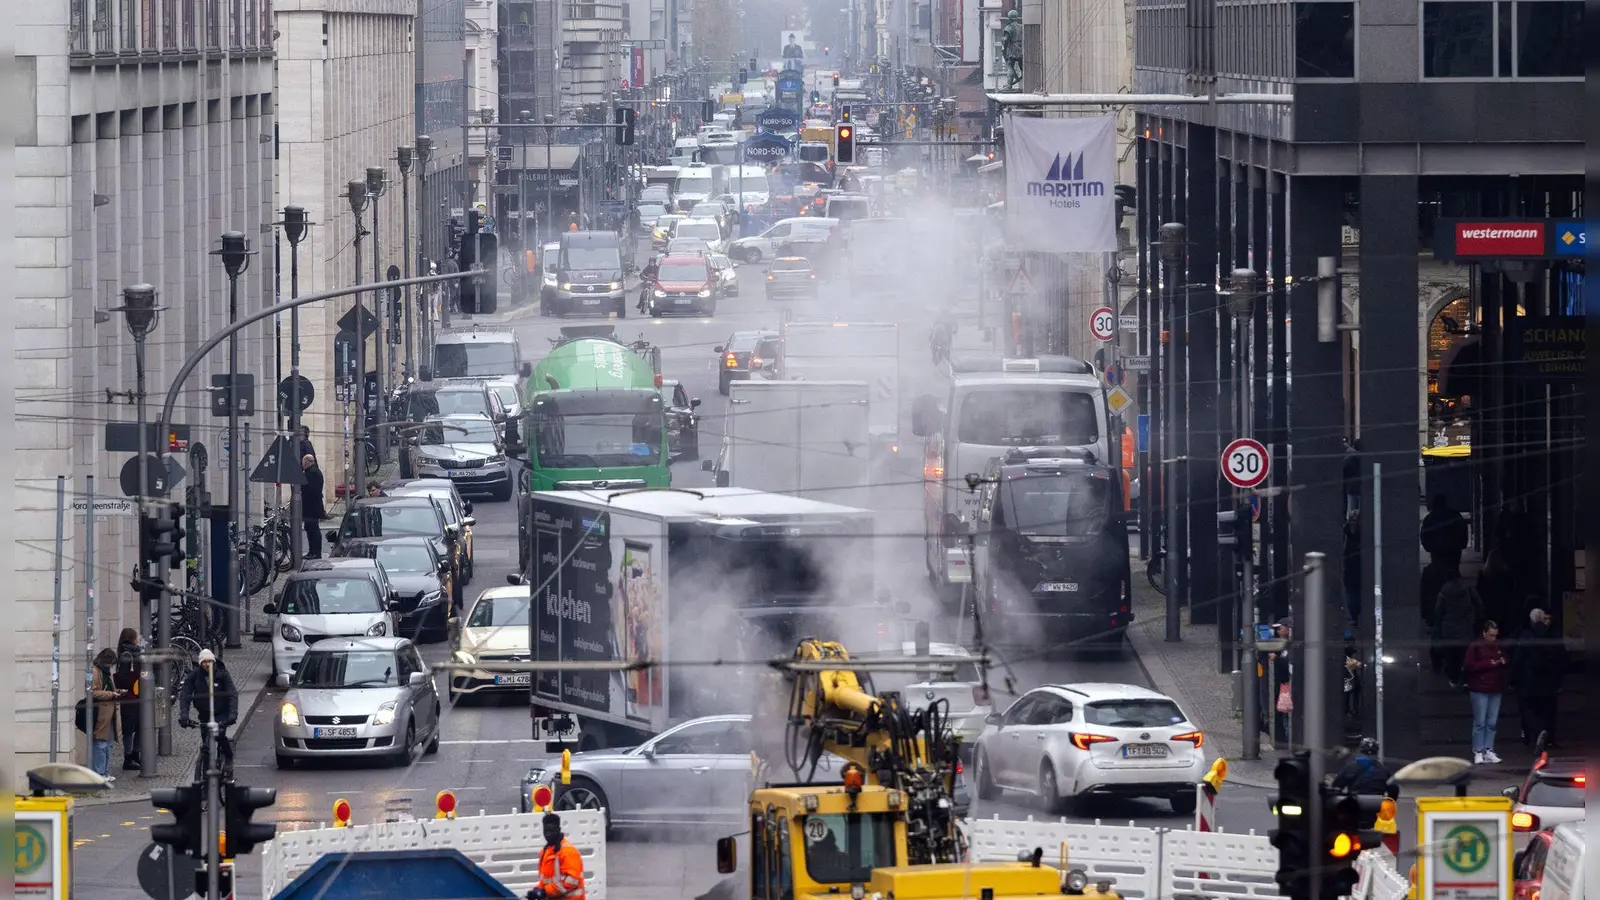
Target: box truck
[
  {"x": 851, "y": 351},
  {"x": 671, "y": 577},
  {"x": 808, "y": 439}
]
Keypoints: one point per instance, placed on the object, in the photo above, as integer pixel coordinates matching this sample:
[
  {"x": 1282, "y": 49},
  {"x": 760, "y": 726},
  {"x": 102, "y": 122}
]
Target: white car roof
[{"x": 1092, "y": 692}]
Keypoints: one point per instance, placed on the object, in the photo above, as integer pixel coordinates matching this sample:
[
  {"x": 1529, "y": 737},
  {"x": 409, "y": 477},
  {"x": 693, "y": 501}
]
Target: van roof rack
[{"x": 1061, "y": 365}]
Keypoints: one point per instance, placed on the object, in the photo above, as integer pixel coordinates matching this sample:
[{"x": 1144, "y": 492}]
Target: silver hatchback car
[{"x": 372, "y": 697}]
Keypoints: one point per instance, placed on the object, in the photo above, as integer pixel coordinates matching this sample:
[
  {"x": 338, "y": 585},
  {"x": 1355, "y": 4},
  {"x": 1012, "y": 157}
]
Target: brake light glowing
[
  {"x": 960, "y": 768},
  {"x": 1082, "y": 740},
  {"x": 1197, "y": 738},
  {"x": 1580, "y": 780},
  {"x": 731, "y": 361},
  {"x": 933, "y": 471}
]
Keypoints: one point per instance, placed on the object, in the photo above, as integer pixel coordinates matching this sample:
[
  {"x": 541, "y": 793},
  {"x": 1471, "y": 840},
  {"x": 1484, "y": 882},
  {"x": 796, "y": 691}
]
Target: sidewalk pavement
[{"x": 250, "y": 664}]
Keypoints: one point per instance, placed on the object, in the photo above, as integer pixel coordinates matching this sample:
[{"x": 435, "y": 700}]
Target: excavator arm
[{"x": 911, "y": 751}]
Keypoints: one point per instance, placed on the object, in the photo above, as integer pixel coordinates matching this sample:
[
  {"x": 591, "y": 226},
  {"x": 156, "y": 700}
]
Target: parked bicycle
[{"x": 1155, "y": 567}]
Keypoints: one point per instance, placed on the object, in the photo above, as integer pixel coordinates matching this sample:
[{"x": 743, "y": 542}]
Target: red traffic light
[{"x": 845, "y": 132}]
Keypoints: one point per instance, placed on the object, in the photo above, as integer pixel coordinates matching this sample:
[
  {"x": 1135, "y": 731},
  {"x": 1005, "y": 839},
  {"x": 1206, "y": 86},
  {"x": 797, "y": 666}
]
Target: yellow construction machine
[{"x": 887, "y": 828}]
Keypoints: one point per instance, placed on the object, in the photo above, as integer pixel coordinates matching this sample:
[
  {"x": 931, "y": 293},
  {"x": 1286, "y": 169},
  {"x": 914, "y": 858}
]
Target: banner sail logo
[
  {"x": 1065, "y": 179},
  {"x": 1059, "y": 175}
]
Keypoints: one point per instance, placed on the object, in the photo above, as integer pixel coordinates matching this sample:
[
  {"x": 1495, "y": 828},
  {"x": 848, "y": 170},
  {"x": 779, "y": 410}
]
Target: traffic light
[
  {"x": 625, "y": 118},
  {"x": 1233, "y": 530},
  {"x": 836, "y": 79},
  {"x": 708, "y": 110},
  {"x": 179, "y": 533},
  {"x": 479, "y": 290},
  {"x": 158, "y": 535},
  {"x": 239, "y": 803},
  {"x": 1349, "y": 827},
  {"x": 202, "y": 881},
  {"x": 844, "y": 145},
  {"x": 744, "y": 76},
  {"x": 183, "y": 834},
  {"x": 1292, "y": 837},
  {"x": 752, "y": 64},
  {"x": 844, "y": 112}
]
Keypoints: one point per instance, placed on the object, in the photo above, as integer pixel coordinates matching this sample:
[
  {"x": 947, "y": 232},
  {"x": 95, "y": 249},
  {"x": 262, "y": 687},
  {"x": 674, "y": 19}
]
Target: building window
[
  {"x": 1458, "y": 40},
  {"x": 1549, "y": 39},
  {"x": 1324, "y": 40}
]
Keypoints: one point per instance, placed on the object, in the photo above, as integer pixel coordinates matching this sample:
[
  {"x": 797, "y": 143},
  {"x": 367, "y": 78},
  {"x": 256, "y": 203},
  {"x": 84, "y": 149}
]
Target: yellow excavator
[{"x": 887, "y": 828}]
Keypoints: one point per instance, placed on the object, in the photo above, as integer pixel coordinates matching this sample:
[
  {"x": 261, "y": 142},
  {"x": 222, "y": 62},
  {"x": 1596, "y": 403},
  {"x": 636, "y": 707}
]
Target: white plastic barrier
[
  {"x": 505, "y": 846},
  {"x": 1169, "y": 864}
]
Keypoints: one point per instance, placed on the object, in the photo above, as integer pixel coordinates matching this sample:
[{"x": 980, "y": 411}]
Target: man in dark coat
[
  {"x": 1538, "y": 663},
  {"x": 1444, "y": 532},
  {"x": 312, "y": 510}
]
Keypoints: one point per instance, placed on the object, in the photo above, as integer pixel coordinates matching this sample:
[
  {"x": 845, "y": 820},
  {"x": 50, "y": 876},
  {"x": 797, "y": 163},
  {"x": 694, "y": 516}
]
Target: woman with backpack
[{"x": 126, "y": 680}]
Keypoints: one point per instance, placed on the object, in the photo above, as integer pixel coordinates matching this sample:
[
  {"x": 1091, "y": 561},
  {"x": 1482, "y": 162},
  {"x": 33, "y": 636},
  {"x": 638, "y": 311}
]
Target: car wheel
[
  {"x": 433, "y": 742},
  {"x": 285, "y": 762},
  {"x": 1183, "y": 804},
  {"x": 502, "y": 493},
  {"x": 722, "y": 385},
  {"x": 402, "y": 754},
  {"x": 583, "y": 793},
  {"x": 1049, "y": 790},
  {"x": 986, "y": 787}
]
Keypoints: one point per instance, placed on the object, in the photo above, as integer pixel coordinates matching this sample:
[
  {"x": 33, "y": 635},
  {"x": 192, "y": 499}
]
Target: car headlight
[
  {"x": 466, "y": 657},
  {"x": 385, "y": 714},
  {"x": 290, "y": 633},
  {"x": 378, "y": 629},
  {"x": 566, "y": 285},
  {"x": 431, "y": 597},
  {"x": 706, "y": 292},
  {"x": 660, "y": 293},
  {"x": 289, "y": 715},
  {"x": 616, "y": 285},
  {"x": 496, "y": 458}
]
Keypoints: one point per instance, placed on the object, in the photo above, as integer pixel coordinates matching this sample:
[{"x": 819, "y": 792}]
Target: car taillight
[
  {"x": 731, "y": 361},
  {"x": 980, "y": 695},
  {"x": 960, "y": 768},
  {"x": 1197, "y": 738},
  {"x": 1082, "y": 740},
  {"x": 1580, "y": 780},
  {"x": 933, "y": 471}
]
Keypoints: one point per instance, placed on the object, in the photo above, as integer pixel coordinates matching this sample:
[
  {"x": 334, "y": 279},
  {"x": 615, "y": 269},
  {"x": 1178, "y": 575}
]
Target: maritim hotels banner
[{"x": 1060, "y": 184}]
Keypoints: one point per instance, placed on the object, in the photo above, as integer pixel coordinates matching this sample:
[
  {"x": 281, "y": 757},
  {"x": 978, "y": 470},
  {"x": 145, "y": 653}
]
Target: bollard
[
  {"x": 445, "y": 802},
  {"x": 341, "y": 813}
]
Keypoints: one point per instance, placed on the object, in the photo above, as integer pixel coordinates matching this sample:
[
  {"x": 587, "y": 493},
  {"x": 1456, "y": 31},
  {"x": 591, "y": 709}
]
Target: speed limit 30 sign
[
  {"x": 1245, "y": 463},
  {"x": 1103, "y": 324}
]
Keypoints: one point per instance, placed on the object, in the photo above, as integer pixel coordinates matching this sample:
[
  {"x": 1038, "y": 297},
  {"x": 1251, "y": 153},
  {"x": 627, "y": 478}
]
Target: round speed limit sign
[
  {"x": 1103, "y": 324},
  {"x": 1245, "y": 463}
]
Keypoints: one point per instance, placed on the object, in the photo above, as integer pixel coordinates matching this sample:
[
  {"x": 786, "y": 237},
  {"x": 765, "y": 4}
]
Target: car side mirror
[
  {"x": 1511, "y": 793},
  {"x": 992, "y": 719},
  {"x": 648, "y": 751},
  {"x": 453, "y": 528},
  {"x": 269, "y": 609},
  {"x": 444, "y": 567},
  {"x": 416, "y": 678},
  {"x": 717, "y": 349},
  {"x": 516, "y": 580},
  {"x": 466, "y": 507},
  {"x": 526, "y": 371},
  {"x": 694, "y": 402},
  {"x": 283, "y": 681},
  {"x": 727, "y": 856},
  {"x": 469, "y": 521},
  {"x": 708, "y": 465},
  {"x": 723, "y": 479}
]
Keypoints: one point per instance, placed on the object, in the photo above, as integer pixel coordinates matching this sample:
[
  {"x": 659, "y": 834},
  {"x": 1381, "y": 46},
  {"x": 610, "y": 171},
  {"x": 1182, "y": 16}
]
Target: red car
[{"x": 684, "y": 284}]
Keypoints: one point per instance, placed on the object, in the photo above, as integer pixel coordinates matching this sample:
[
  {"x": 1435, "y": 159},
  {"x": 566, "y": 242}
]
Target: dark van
[
  {"x": 589, "y": 274},
  {"x": 1051, "y": 546}
]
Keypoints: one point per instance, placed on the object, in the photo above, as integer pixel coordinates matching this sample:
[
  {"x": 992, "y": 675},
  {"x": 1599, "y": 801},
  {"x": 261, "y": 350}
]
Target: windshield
[
  {"x": 399, "y": 559},
  {"x": 748, "y": 185},
  {"x": 1075, "y": 504},
  {"x": 330, "y": 596},
  {"x": 813, "y": 153},
  {"x": 848, "y": 210},
  {"x": 507, "y": 394},
  {"x": 572, "y": 434},
  {"x": 897, "y": 681},
  {"x": 458, "y": 431},
  {"x": 845, "y": 847},
  {"x": 651, "y": 210},
  {"x": 1141, "y": 713},
  {"x": 590, "y": 258},
  {"x": 705, "y": 231},
  {"x": 676, "y": 272},
  {"x": 391, "y": 520},
  {"x": 1019, "y": 417},
  {"x": 698, "y": 184},
  {"x": 346, "y": 669},
  {"x": 447, "y": 403},
  {"x": 473, "y": 360},
  {"x": 491, "y": 612}
]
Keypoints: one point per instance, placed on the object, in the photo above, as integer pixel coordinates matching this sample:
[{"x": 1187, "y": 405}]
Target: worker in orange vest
[{"x": 560, "y": 866}]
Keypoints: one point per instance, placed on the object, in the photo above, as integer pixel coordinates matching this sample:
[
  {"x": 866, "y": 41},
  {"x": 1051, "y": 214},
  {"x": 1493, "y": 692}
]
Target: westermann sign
[{"x": 1060, "y": 175}]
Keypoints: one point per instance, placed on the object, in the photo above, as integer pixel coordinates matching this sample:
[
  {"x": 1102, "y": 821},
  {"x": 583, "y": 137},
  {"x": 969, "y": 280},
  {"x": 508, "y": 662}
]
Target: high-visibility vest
[{"x": 561, "y": 872}]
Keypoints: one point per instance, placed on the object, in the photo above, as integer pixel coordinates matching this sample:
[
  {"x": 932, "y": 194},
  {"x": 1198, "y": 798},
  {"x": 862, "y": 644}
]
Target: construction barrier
[
  {"x": 505, "y": 846},
  {"x": 1162, "y": 863}
]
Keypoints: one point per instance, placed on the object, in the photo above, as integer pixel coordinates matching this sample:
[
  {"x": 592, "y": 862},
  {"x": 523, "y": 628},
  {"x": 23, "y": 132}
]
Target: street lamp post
[
  {"x": 235, "y": 253},
  {"x": 1173, "y": 276},
  {"x": 377, "y": 186},
  {"x": 1243, "y": 295},
  {"x": 356, "y": 193},
  {"x": 402, "y": 158},
  {"x": 424, "y": 145},
  {"x": 523, "y": 117},
  {"x": 295, "y": 223},
  {"x": 549, "y": 172},
  {"x": 140, "y": 312}
]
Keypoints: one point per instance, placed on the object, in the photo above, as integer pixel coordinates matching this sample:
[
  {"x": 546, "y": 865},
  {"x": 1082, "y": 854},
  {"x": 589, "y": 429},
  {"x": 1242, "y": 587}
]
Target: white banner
[{"x": 1060, "y": 184}]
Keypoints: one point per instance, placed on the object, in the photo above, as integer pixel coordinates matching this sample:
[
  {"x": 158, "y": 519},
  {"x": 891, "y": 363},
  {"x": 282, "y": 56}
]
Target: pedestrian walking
[
  {"x": 1538, "y": 663},
  {"x": 126, "y": 680},
  {"x": 1487, "y": 671},
  {"x": 560, "y": 865},
  {"x": 312, "y": 510},
  {"x": 1444, "y": 532},
  {"x": 208, "y": 684},
  {"x": 1456, "y": 614},
  {"x": 107, "y": 700}
]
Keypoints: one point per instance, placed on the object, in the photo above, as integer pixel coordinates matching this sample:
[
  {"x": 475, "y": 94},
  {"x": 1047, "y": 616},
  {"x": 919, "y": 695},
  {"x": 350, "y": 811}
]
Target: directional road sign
[
  {"x": 1245, "y": 463},
  {"x": 1136, "y": 363},
  {"x": 1103, "y": 324},
  {"x": 1128, "y": 323},
  {"x": 129, "y": 478}
]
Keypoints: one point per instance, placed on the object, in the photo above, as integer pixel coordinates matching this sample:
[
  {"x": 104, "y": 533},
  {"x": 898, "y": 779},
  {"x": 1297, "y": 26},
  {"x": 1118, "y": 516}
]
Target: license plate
[
  {"x": 1144, "y": 751},
  {"x": 683, "y": 301},
  {"x": 333, "y": 732},
  {"x": 592, "y": 302},
  {"x": 1059, "y": 587},
  {"x": 514, "y": 679}
]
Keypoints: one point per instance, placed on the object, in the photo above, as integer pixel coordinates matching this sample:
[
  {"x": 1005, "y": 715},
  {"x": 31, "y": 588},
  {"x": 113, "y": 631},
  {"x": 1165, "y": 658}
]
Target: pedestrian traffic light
[
  {"x": 1292, "y": 837},
  {"x": 202, "y": 881},
  {"x": 176, "y": 558},
  {"x": 1233, "y": 530},
  {"x": 836, "y": 79},
  {"x": 239, "y": 804},
  {"x": 625, "y": 118},
  {"x": 479, "y": 291},
  {"x": 183, "y": 833},
  {"x": 752, "y": 64},
  {"x": 844, "y": 145}
]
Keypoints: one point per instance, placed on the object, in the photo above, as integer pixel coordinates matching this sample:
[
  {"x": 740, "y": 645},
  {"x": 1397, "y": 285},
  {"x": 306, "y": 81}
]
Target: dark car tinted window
[
  {"x": 330, "y": 596},
  {"x": 1141, "y": 713},
  {"x": 390, "y": 520},
  {"x": 1556, "y": 792}
]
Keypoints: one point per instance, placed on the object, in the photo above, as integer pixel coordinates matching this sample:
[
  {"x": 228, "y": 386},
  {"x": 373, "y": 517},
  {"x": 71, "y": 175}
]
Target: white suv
[{"x": 1063, "y": 742}]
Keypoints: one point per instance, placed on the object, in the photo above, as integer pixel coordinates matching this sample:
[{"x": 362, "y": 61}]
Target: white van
[
  {"x": 765, "y": 245},
  {"x": 1564, "y": 872}
]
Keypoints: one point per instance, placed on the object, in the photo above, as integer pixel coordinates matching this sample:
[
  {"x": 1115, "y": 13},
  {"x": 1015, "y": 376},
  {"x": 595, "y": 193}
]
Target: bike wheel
[
  {"x": 187, "y": 650},
  {"x": 1153, "y": 572},
  {"x": 373, "y": 462},
  {"x": 283, "y": 548},
  {"x": 258, "y": 570}
]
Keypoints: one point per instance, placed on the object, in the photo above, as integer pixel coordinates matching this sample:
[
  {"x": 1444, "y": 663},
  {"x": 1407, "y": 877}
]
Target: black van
[
  {"x": 1051, "y": 547},
  {"x": 589, "y": 274}
]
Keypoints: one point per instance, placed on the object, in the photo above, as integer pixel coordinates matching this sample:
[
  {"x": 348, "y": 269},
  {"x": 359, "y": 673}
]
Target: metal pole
[
  {"x": 1172, "y": 257},
  {"x": 358, "y": 447},
  {"x": 55, "y": 619},
  {"x": 231, "y": 613},
  {"x": 549, "y": 172},
  {"x": 244, "y": 534},
  {"x": 148, "y": 743},
  {"x": 405, "y": 227},
  {"x": 277, "y": 322},
  {"x": 1377, "y": 597},
  {"x": 1251, "y": 701},
  {"x": 296, "y": 510},
  {"x": 382, "y": 437},
  {"x": 213, "y": 799},
  {"x": 88, "y": 617},
  {"x": 1314, "y": 672}
]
